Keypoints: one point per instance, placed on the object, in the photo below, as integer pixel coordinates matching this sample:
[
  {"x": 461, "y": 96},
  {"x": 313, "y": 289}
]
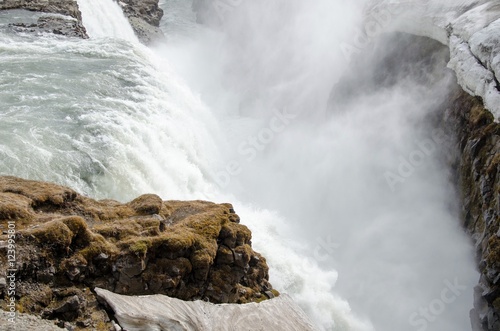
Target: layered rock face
[
  {"x": 63, "y": 7},
  {"x": 69, "y": 23},
  {"x": 145, "y": 17},
  {"x": 67, "y": 244},
  {"x": 478, "y": 176}
]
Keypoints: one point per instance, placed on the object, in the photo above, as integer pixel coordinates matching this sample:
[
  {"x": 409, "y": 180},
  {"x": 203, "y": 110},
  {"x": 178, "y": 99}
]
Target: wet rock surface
[
  {"x": 66, "y": 19},
  {"x": 478, "y": 177},
  {"x": 52, "y": 24},
  {"x": 144, "y": 17},
  {"x": 67, "y": 244}
]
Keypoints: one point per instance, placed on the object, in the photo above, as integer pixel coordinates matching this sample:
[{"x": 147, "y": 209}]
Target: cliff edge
[{"x": 58, "y": 245}]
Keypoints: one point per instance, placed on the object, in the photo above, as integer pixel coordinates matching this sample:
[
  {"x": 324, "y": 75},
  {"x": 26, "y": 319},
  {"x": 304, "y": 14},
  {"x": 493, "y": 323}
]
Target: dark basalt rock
[
  {"x": 144, "y": 17},
  {"x": 52, "y": 24},
  {"x": 478, "y": 176},
  {"x": 69, "y": 25}
]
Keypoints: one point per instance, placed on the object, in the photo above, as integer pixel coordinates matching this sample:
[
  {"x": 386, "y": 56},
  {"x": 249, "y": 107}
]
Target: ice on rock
[{"x": 471, "y": 29}]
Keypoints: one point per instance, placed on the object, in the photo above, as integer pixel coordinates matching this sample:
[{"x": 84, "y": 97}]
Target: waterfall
[
  {"x": 240, "y": 115},
  {"x": 105, "y": 18},
  {"x": 392, "y": 248}
]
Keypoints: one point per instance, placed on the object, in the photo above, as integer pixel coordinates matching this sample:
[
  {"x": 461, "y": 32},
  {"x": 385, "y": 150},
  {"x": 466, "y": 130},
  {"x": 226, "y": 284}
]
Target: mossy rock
[
  {"x": 55, "y": 234},
  {"x": 147, "y": 204},
  {"x": 15, "y": 207},
  {"x": 140, "y": 247},
  {"x": 99, "y": 245},
  {"x": 147, "y": 246},
  {"x": 82, "y": 236}
]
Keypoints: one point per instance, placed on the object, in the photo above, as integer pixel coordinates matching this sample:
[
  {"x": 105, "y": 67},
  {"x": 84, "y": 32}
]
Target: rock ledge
[{"x": 67, "y": 244}]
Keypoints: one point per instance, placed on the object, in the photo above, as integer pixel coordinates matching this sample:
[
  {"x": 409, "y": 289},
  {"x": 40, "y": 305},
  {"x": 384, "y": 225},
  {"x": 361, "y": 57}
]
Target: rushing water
[{"x": 239, "y": 113}]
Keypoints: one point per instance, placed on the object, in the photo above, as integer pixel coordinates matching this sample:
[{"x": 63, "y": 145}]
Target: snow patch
[{"x": 471, "y": 29}]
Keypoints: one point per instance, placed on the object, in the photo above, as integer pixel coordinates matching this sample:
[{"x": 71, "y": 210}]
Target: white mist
[{"x": 397, "y": 247}]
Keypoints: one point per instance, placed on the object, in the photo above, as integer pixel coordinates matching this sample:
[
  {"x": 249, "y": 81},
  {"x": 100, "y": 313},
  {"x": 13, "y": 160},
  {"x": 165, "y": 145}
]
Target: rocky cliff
[
  {"x": 68, "y": 22},
  {"x": 67, "y": 244},
  {"x": 478, "y": 177},
  {"x": 63, "y": 17},
  {"x": 145, "y": 17}
]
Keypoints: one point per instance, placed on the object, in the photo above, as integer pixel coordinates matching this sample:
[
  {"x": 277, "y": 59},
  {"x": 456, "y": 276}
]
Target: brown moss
[
  {"x": 54, "y": 233},
  {"x": 81, "y": 233},
  {"x": 479, "y": 116},
  {"x": 147, "y": 204},
  {"x": 208, "y": 225},
  {"x": 97, "y": 246},
  {"x": 140, "y": 246},
  {"x": 103, "y": 210},
  {"x": 150, "y": 226},
  {"x": 177, "y": 211},
  {"x": 118, "y": 230},
  {"x": 103, "y": 326},
  {"x": 137, "y": 245},
  {"x": 260, "y": 298},
  {"x": 177, "y": 240},
  {"x": 15, "y": 207},
  {"x": 201, "y": 259}
]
